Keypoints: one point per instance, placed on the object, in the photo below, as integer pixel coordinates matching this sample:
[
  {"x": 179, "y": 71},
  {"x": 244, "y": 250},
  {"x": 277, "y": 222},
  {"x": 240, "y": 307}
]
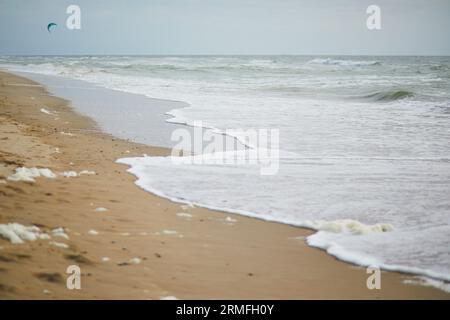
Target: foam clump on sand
[
  {"x": 86, "y": 172},
  {"x": 348, "y": 226},
  {"x": 17, "y": 233},
  {"x": 170, "y": 232},
  {"x": 59, "y": 232},
  {"x": 43, "y": 110},
  {"x": 100, "y": 209},
  {"x": 28, "y": 174},
  {"x": 67, "y": 134},
  {"x": 93, "y": 232},
  {"x": 134, "y": 261},
  {"x": 59, "y": 244},
  {"x": 71, "y": 174},
  {"x": 184, "y": 215},
  {"x": 187, "y": 206}
]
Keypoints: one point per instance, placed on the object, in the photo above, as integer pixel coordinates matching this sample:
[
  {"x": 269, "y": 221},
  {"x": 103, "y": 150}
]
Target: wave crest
[
  {"x": 344, "y": 63},
  {"x": 389, "y": 95}
]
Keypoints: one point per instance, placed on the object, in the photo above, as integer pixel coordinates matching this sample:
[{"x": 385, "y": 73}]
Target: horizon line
[{"x": 228, "y": 54}]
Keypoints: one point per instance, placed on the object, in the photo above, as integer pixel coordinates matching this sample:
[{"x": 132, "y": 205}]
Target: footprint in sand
[
  {"x": 78, "y": 258},
  {"x": 7, "y": 288},
  {"x": 52, "y": 277}
]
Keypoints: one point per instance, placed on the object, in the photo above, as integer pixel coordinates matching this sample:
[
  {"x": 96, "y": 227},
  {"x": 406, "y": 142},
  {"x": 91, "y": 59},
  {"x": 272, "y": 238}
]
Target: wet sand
[{"x": 197, "y": 254}]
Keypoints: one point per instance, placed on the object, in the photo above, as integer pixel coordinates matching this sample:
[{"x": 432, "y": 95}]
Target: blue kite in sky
[{"x": 50, "y": 26}]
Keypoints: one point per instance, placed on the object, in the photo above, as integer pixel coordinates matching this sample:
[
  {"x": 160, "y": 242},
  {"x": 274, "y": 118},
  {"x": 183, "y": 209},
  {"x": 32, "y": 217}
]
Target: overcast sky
[{"x": 411, "y": 27}]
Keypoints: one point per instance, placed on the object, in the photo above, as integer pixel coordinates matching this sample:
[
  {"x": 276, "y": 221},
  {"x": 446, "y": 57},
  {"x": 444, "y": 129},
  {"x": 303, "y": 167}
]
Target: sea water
[{"x": 364, "y": 144}]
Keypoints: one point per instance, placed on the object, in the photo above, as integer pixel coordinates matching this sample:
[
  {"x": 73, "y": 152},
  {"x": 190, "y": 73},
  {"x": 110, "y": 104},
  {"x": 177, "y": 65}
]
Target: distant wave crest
[
  {"x": 388, "y": 95},
  {"x": 344, "y": 63}
]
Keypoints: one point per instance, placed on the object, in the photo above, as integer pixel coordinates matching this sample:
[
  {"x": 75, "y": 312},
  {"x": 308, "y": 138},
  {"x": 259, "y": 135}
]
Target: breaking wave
[
  {"x": 388, "y": 96},
  {"x": 344, "y": 63}
]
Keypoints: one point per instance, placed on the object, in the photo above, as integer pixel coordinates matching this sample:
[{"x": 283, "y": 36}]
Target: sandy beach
[{"x": 140, "y": 246}]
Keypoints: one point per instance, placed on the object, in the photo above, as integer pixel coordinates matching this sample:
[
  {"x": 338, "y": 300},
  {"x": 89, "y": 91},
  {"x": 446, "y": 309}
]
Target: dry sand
[{"x": 206, "y": 258}]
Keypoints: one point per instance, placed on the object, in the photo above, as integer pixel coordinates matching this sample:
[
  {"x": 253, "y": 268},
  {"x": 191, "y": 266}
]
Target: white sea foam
[
  {"x": 184, "y": 215},
  {"x": 100, "y": 209},
  {"x": 330, "y": 243},
  {"x": 86, "y": 172},
  {"x": 444, "y": 286},
  {"x": 60, "y": 232},
  {"x": 134, "y": 261},
  {"x": 69, "y": 174},
  {"x": 67, "y": 134},
  {"x": 347, "y": 226},
  {"x": 344, "y": 63},
  {"x": 43, "y": 110},
  {"x": 28, "y": 174},
  {"x": 59, "y": 244},
  {"x": 17, "y": 233},
  {"x": 230, "y": 220},
  {"x": 169, "y": 232}
]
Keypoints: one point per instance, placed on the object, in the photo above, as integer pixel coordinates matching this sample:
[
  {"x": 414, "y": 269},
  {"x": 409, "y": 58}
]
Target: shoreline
[{"x": 206, "y": 258}]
